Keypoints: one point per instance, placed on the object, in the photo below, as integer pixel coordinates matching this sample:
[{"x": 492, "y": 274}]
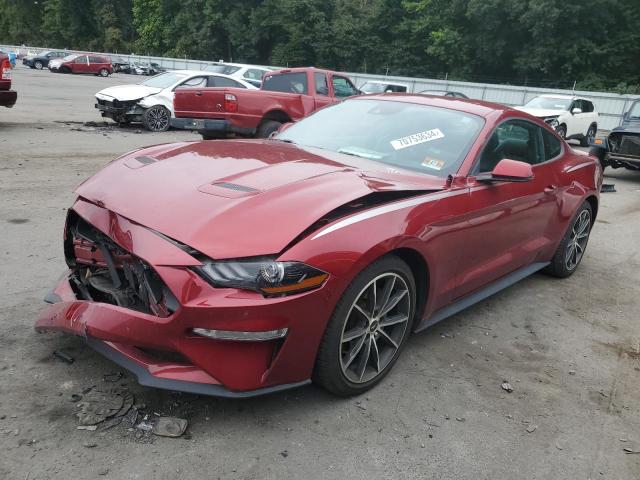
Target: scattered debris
[
  {"x": 112, "y": 377},
  {"x": 65, "y": 357},
  {"x": 608, "y": 188},
  {"x": 461, "y": 419},
  {"x": 361, "y": 406},
  {"x": 104, "y": 471},
  {"x": 97, "y": 406},
  {"x": 284, "y": 454},
  {"x": 89, "y": 445},
  {"x": 75, "y": 397},
  {"x": 91, "y": 428},
  {"x": 572, "y": 372},
  {"x": 631, "y": 450},
  {"x": 147, "y": 427},
  {"x": 170, "y": 427},
  {"x": 559, "y": 445},
  {"x": 506, "y": 386},
  {"x": 532, "y": 428}
]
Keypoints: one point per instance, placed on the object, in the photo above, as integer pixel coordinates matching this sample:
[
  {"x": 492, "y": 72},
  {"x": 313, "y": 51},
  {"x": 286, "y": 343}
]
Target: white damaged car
[{"x": 151, "y": 101}]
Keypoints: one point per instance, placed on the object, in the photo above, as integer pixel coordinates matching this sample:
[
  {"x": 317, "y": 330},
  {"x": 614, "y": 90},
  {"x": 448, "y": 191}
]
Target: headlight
[
  {"x": 265, "y": 275},
  {"x": 552, "y": 121}
]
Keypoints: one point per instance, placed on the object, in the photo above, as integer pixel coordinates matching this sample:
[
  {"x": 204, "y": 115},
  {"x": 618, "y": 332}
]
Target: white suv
[
  {"x": 571, "y": 117},
  {"x": 249, "y": 73}
]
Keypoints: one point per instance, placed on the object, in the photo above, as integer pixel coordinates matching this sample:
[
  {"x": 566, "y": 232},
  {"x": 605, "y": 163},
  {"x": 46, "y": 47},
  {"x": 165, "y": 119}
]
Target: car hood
[
  {"x": 231, "y": 199},
  {"x": 631, "y": 125},
  {"x": 540, "y": 112},
  {"x": 125, "y": 93}
]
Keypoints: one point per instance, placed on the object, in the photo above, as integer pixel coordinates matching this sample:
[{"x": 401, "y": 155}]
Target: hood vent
[
  {"x": 227, "y": 190},
  {"x": 139, "y": 162}
]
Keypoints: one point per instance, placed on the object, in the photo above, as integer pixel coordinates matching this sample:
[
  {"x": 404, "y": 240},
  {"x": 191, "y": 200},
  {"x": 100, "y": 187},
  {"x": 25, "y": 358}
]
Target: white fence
[{"x": 610, "y": 106}]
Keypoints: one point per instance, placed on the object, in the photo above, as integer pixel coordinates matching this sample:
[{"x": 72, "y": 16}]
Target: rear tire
[
  {"x": 267, "y": 128},
  {"x": 156, "y": 118},
  {"x": 103, "y": 72},
  {"x": 573, "y": 245},
  {"x": 352, "y": 366}
]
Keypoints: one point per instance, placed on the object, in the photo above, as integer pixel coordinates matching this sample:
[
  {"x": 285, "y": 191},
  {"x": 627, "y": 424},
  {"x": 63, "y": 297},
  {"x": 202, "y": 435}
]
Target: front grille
[
  {"x": 625, "y": 144},
  {"x": 102, "y": 271}
]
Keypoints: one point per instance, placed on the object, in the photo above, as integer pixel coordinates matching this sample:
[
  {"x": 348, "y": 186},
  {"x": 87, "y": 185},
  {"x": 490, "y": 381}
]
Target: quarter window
[
  {"x": 515, "y": 140},
  {"x": 254, "y": 74},
  {"x": 224, "y": 82},
  {"x": 322, "y": 87},
  {"x": 552, "y": 145},
  {"x": 196, "y": 82}
]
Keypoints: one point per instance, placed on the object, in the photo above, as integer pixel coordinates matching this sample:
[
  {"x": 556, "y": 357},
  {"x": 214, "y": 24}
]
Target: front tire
[
  {"x": 368, "y": 329},
  {"x": 38, "y": 65},
  {"x": 156, "y": 118},
  {"x": 573, "y": 245},
  {"x": 590, "y": 136},
  {"x": 562, "y": 131}
]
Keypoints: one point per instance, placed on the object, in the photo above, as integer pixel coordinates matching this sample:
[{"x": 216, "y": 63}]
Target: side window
[
  {"x": 552, "y": 146},
  {"x": 223, "y": 82},
  {"x": 322, "y": 87},
  {"x": 342, "y": 87},
  {"x": 195, "y": 82},
  {"x": 82, "y": 59},
  {"x": 588, "y": 106},
  {"x": 96, "y": 60},
  {"x": 515, "y": 140}
]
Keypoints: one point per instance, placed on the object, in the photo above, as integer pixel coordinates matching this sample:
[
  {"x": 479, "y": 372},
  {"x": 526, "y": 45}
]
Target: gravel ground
[{"x": 570, "y": 349}]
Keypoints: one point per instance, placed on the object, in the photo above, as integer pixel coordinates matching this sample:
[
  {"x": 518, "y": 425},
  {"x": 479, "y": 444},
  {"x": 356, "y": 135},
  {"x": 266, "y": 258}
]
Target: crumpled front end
[
  {"x": 136, "y": 297},
  {"x": 624, "y": 149}
]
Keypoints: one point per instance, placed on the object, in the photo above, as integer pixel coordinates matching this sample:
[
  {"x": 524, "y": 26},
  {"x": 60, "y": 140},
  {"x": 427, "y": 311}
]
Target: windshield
[
  {"x": 164, "y": 80},
  {"x": 406, "y": 135},
  {"x": 549, "y": 103},
  {"x": 68, "y": 58},
  {"x": 634, "y": 112},
  {"x": 224, "y": 69}
]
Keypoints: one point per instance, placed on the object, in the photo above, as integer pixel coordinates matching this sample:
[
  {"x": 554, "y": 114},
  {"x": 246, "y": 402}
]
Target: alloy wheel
[
  {"x": 38, "y": 65},
  {"x": 158, "y": 119},
  {"x": 374, "y": 328},
  {"x": 578, "y": 240}
]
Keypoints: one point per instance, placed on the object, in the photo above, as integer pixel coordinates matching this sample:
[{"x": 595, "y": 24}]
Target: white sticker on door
[{"x": 416, "y": 139}]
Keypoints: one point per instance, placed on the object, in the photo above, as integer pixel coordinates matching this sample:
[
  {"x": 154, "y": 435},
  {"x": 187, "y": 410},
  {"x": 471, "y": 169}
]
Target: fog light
[{"x": 241, "y": 336}]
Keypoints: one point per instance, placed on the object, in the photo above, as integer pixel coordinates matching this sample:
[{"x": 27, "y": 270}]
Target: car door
[
  {"x": 193, "y": 100},
  {"x": 80, "y": 64},
  {"x": 579, "y": 121},
  {"x": 510, "y": 224}
]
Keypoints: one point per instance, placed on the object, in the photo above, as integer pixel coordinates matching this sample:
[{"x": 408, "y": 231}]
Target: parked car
[
  {"x": 8, "y": 97},
  {"x": 286, "y": 96},
  {"x": 149, "y": 69},
  {"x": 571, "y": 117},
  {"x": 372, "y": 86},
  {"x": 243, "y": 267},
  {"x": 621, "y": 148},
  {"x": 120, "y": 65},
  {"x": 82, "y": 63},
  {"x": 151, "y": 101},
  {"x": 248, "y": 73},
  {"x": 41, "y": 60},
  {"x": 444, "y": 93}
]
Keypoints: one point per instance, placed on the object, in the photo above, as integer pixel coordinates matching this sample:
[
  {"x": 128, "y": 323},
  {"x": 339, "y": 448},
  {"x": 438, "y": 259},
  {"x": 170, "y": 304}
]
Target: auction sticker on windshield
[{"x": 416, "y": 139}]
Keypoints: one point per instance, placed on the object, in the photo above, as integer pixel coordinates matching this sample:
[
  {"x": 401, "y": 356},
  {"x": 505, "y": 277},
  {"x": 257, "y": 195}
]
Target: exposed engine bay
[{"x": 102, "y": 271}]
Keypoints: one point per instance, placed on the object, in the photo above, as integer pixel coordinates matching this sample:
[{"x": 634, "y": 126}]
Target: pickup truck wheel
[
  {"x": 267, "y": 128},
  {"x": 156, "y": 118},
  {"x": 38, "y": 65},
  {"x": 212, "y": 135}
]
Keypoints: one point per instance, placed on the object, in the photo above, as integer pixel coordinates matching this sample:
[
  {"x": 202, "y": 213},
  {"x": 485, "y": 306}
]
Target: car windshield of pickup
[
  {"x": 164, "y": 80},
  {"x": 294, "y": 82},
  {"x": 417, "y": 137},
  {"x": 549, "y": 103},
  {"x": 634, "y": 112}
]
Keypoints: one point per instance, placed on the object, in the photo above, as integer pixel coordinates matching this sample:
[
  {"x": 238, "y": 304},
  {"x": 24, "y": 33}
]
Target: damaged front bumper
[
  {"x": 151, "y": 325},
  {"x": 619, "y": 150},
  {"x": 119, "y": 111}
]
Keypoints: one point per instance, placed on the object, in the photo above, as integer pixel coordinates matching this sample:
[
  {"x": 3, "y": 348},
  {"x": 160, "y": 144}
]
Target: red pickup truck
[
  {"x": 285, "y": 96},
  {"x": 7, "y": 96}
]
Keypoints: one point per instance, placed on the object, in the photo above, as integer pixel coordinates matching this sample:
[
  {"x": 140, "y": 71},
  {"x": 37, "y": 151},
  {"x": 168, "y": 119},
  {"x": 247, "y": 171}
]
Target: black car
[
  {"x": 444, "y": 93},
  {"x": 121, "y": 66},
  {"x": 41, "y": 60},
  {"x": 621, "y": 148}
]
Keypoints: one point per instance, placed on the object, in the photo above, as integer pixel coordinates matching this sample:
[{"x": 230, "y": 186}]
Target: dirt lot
[{"x": 570, "y": 349}]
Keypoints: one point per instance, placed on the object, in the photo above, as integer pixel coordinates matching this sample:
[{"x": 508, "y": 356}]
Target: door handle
[{"x": 198, "y": 94}]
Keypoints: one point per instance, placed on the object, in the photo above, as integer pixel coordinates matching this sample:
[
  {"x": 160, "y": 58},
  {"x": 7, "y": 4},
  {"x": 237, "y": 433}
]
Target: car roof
[
  {"x": 381, "y": 82},
  {"x": 475, "y": 107},
  {"x": 564, "y": 97}
]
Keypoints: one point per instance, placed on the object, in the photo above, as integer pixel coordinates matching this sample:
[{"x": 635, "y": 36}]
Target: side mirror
[
  {"x": 576, "y": 110},
  {"x": 625, "y": 116},
  {"x": 508, "y": 171}
]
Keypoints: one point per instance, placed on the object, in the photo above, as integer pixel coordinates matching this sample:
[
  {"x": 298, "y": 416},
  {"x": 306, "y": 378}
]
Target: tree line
[{"x": 538, "y": 42}]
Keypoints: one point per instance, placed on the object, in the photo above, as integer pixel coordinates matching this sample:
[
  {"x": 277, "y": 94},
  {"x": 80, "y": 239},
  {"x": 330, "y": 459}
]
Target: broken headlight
[
  {"x": 552, "y": 122},
  {"x": 264, "y": 275}
]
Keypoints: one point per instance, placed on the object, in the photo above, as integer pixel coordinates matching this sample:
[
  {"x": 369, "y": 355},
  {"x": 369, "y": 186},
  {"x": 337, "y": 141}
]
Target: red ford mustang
[{"x": 237, "y": 268}]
